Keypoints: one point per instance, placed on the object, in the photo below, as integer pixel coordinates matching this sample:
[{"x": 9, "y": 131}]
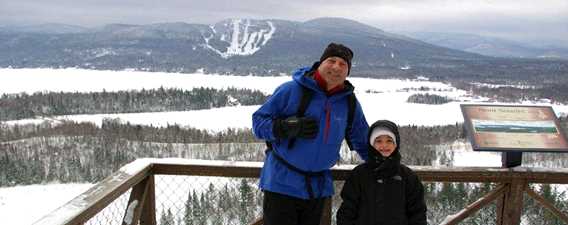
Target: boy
[{"x": 382, "y": 190}]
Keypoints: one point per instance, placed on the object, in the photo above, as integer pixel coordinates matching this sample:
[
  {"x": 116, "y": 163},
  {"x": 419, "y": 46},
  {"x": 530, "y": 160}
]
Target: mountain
[
  {"x": 260, "y": 47},
  {"x": 490, "y": 46},
  {"x": 51, "y": 28}
]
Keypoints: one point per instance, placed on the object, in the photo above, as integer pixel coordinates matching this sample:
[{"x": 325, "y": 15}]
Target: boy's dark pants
[{"x": 282, "y": 209}]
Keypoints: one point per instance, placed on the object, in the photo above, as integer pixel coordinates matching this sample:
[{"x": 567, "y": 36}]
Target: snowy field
[
  {"x": 22, "y": 205},
  {"x": 372, "y": 93},
  {"x": 25, "y": 204}
]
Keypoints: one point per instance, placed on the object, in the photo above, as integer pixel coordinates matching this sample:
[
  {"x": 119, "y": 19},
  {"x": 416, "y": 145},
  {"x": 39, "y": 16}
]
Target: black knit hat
[{"x": 339, "y": 50}]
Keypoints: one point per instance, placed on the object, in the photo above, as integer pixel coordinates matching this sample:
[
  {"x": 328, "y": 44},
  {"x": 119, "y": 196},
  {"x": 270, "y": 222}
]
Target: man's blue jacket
[{"x": 314, "y": 155}]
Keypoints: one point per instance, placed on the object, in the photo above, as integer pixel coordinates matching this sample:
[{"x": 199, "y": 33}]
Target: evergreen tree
[
  {"x": 188, "y": 213},
  {"x": 246, "y": 201},
  {"x": 199, "y": 217},
  {"x": 203, "y": 213},
  {"x": 210, "y": 198},
  {"x": 538, "y": 215},
  {"x": 555, "y": 197},
  {"x": 171, "y": 218},
  {"x": 167, "y": 218}
]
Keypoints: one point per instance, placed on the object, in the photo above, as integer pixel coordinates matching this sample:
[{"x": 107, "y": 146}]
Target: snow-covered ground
[
  {"x": 25, "y": 204},
  {"x": 381, "y": 99}
]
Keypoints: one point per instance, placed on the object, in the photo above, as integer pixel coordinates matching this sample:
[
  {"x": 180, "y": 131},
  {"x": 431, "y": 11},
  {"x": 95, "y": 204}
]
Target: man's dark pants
[{"x": 282, "y": 209}]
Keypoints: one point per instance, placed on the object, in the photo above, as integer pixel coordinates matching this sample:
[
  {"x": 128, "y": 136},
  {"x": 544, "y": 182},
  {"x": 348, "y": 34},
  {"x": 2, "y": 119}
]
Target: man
[{"x": 303, "y": 146}]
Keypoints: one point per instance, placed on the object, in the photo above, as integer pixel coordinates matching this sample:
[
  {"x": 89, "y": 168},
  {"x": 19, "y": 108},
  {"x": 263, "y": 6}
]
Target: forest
[
  {"x": 70, "y": 152},
  {"x": 23, "y": 105},
  {"x": 83, "y": 152},
  {"x": 553, "y": 92},
  {"x": 431, "y": 99}
]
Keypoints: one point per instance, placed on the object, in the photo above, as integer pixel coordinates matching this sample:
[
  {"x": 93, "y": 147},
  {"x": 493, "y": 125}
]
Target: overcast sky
[{"x": 527, "y": 19}]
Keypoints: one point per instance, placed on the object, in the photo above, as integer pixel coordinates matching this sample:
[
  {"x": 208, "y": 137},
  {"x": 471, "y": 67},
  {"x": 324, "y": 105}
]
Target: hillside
[{"x": 259, "y": 47}]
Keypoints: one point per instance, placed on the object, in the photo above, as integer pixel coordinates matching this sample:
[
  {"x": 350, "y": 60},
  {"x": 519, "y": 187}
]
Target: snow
[
  {"x": 391, "y": 94},
  {"x": 130, "y": 212},
  {"x": 229, "y": 117},
  {"x": 17, "y": 204},
  {"x": 141, "y": 163},
  {"x": 243, "y": 41},
  {"x": 81, "y": 80},
  {"x": 102, "y": 52},
  {"x": 183, "y": 161},
  {"x": 26, "y": 204},
  {"x": 502, "y": 85},
  {"x": 380, "y": 99},
  {"x": 135, "y": 167},
  {"x": 471, "y": 158}
]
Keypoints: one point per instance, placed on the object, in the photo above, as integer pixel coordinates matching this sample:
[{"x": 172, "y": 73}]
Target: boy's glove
[{"x": 301, "y": 127}]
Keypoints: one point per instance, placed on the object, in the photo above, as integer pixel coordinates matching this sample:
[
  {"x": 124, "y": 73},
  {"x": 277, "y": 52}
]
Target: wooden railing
[{"x": 138, "y": 177}]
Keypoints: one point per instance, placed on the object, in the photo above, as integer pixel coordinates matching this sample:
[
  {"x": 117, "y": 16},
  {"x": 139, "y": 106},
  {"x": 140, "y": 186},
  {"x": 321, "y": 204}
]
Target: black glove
[{"x": 302, "y": 127}]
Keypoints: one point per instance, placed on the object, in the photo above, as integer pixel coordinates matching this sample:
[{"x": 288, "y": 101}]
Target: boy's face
[
  {"x": 334, "y": 71},
  {"x": 384, "y": 145}
]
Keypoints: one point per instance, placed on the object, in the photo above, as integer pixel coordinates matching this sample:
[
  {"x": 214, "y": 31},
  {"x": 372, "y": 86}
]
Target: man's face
[{"x": 334, "y": 71}]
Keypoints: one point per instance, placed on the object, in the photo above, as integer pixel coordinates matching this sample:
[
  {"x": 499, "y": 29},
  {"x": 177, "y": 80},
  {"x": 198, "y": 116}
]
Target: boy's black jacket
[{"x": 382, "y": 191}]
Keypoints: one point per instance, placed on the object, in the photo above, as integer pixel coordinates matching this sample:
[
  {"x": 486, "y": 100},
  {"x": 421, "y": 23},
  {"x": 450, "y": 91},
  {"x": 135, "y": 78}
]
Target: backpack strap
[
  {"x": 308, "y": 175},
  {"x": 351, "y": 104},
  {"x": 307, "y": 95},
  {"x": 304, "y": 102}
]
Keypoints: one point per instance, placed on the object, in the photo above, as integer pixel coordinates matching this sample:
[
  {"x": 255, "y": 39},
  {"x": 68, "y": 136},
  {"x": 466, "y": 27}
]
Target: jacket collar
[
  {"x": 305, "y": 76},
  {"x": 323, "y": 84}
]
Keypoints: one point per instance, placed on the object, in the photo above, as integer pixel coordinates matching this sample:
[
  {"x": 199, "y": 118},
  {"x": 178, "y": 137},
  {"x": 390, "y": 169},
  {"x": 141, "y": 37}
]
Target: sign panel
[{"x": 514, "y": 128}]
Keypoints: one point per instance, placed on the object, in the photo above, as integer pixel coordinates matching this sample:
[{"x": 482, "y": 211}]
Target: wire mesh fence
[
  {"x": 113, "y": 213},
  {"x": 224, "y": 197},
  {"x": 195, "y": 200}
]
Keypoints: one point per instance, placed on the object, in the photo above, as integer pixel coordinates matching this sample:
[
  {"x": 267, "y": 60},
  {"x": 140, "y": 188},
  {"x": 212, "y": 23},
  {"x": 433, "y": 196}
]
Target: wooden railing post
[
  {"x": 512, "y": 203},
  {"x": 500, "y": 205},
  {"x": 326, "y": 215},
  {"x": 148, "y": 216},
  {"x": 141, "y": 204}
]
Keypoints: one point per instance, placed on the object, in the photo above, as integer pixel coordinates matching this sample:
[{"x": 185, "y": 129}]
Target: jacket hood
[
  {"x": 391, "y": 126},
  {"x": 384, "y": 166}
]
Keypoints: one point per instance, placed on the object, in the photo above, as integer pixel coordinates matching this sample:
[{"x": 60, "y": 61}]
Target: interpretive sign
[{"x": 514, "y": 128}]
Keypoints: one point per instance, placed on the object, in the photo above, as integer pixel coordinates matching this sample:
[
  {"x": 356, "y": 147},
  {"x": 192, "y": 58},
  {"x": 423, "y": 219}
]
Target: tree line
[
  {"x": 23, "y": 105},
  {"x": 83, "y": 152},
  {"x": 241, "y": 203},
  {"x": 555, "y": 92},
  {"x": 238, "y": 203},
  {"x": 431, "y": 99},
  {"x": 114, "y": 127},
  {"x": 77, "y": 152}
]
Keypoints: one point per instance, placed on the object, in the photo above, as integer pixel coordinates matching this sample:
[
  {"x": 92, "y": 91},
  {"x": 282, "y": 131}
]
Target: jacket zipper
[{"x": 327, "y": 119}]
